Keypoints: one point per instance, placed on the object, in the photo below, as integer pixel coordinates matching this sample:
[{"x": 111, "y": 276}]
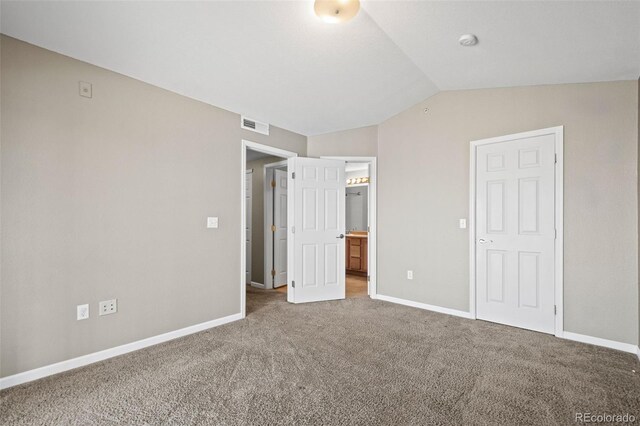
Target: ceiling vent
[{"x": 254, "y": 126}]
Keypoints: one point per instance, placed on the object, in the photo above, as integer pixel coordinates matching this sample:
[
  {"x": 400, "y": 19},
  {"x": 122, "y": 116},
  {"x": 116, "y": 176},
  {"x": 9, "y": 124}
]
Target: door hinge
[
  {"x": 273, "y": 228},
  {"x": 368, "y": 278},
  {"x": 555, "y": 234},
  {"x": 293, "y": 229},
  {"x": 293, "y": 284},
  {"x": 273, "y": 272},
  {"x": 368, "y": 229},
  {"x": 273, "y": 183},
  {"x": 293, "y": 175},
  {"x": 555, "y": 310},
  {"x": 555, "y": 158}
]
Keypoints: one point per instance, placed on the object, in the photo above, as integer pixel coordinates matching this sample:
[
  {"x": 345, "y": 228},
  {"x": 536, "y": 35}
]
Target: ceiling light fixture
[
  {"x": 336, "y": 11},
  {"x": 468, "y": 40}
]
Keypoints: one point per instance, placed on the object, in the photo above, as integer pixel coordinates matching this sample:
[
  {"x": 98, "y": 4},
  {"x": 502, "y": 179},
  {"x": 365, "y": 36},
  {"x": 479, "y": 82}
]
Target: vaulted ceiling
[{"x": 275, "y": 61}]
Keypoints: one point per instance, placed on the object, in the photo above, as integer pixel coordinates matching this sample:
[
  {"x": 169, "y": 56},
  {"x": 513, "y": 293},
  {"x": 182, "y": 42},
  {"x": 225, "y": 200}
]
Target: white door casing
[
  {"x": 515, "y": 231},
  {"x": 249, "y": 217},
  {"x": 280, "y": 233},
  {"x": 316, "y": 218}
]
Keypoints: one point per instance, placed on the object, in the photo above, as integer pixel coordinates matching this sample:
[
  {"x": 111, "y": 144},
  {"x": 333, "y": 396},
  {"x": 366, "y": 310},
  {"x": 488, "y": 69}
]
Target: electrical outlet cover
[{"x": 107, "y": 307}]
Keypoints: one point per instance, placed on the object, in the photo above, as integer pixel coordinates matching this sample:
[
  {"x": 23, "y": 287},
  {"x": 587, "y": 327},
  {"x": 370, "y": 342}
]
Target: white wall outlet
[
  {"x": 86, "y": 89},
  {"x": 463, "y": 223},
  {"x": 82, "y": 312},
  {"x": 212, "y": 222},
  {"x": 409, "y": 275},
  {"x": 107, "y": 307}
]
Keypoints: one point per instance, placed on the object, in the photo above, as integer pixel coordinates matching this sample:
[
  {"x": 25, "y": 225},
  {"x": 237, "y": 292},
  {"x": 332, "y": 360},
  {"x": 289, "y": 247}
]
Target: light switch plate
[
  {"x": 409, "y": 275},
  {"x": 212, "y": 222},
  {"x": 463, "y": 223},
  {"x": 82, "y": 312},
  {"x": 86, "y": 89}
]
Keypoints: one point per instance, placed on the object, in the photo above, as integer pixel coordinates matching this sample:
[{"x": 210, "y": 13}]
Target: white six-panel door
[
  {"x": 317, "y": 227},
  {"x": 280, "y": 233},
  {"x": 515, "y": 232}
]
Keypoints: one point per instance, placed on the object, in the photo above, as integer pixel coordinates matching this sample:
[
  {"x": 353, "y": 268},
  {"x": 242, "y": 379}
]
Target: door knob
[{"x": 341, "y": 236}]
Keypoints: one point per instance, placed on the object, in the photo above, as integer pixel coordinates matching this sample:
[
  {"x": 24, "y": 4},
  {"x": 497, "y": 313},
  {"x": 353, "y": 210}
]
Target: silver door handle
[
  {"x": 483, "y": 241},
  {"x": 341, "y": 236}
]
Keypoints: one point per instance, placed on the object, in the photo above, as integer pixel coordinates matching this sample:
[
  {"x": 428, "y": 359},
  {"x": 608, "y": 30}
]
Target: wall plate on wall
[{"x": 86, "y": 89}]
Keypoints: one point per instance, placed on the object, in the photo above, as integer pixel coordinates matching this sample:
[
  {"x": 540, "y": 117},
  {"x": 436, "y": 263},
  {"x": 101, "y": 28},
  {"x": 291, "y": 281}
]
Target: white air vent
[{"x": 254, "y": 126}]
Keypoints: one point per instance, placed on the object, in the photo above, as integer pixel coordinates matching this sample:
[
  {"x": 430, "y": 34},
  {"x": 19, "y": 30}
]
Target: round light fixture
[
  {"x": 468, "y": 40},
  {"x": 335, "y": 11}
]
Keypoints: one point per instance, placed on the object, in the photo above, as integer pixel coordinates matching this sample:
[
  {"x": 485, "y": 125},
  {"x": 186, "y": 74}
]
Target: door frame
[
  {"x": 268, "y": 218},
  {"x": 373, "y": 223},
  {"x": 558, "y": 132},
  {"x": 266, "y": 149}
]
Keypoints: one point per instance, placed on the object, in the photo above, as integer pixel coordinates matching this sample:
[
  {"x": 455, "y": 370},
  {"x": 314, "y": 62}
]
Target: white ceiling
[
  {"x": 522, "y": 43},
  {"x": 275, "y": 62}
]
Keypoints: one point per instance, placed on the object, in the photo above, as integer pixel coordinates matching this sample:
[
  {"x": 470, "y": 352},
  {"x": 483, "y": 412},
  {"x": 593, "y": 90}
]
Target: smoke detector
[{"x": 468, "y": 40}]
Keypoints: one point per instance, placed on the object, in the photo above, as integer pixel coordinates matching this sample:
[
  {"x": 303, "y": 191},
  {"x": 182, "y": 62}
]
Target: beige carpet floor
[{"x": 349, "y": 362}]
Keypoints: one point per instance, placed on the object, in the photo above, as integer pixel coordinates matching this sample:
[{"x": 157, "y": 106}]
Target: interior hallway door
[{"x": 316, "y": 217}]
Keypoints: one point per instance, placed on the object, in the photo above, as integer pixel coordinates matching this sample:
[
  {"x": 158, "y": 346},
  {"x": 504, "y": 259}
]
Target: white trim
[
  {"x": 257, "y": 285},
  {"x": 558, "y": 131},
  {"x": 265, "y": 149},
  {"x": 59, "y": 367},
  {"x": 373, "y": 221},
  {"x": 268, "y": 219},
  {"x": 625, "y": 347},
  {"x": 424, "y": 306}
]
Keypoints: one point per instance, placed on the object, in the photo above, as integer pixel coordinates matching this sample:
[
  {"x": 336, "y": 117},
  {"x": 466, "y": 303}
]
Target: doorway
[
  {"x": 516, "y": 230},
  {"x": 252, "y": 257},
  {"x": 361, "y": 226},
  {"x": 315, "y": 225}
]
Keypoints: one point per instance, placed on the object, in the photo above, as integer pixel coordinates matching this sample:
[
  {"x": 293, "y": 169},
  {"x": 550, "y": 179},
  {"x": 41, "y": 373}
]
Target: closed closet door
[{"x": 515, "y": 232}]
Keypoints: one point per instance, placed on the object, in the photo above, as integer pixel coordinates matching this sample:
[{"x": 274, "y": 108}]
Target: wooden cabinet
[{"x": 356, "y": 260}]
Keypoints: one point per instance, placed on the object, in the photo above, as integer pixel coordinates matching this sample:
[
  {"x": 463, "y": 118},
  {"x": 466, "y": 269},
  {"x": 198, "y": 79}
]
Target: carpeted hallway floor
[{"x": 355, "y": 361}]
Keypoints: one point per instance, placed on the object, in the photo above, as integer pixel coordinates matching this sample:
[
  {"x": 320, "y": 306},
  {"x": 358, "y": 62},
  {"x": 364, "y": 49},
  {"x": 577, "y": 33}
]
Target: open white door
[
  {"x": 316, "y": 218},
  {"x": 280, "y": 232}
]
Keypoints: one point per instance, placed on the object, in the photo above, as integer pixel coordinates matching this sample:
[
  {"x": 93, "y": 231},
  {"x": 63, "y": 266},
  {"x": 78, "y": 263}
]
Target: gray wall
[
  {"x": 257, "y": 222},
  {"x": 418, "y": 230},
  {"x": 108, "y": 198},
  {"x": 355, "y": 142}
]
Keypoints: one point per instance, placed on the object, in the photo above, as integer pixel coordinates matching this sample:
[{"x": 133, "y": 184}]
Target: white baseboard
[
  {"x": 625, "y": 347},
  {"x": 257, "y": 285},
  {"x": 419, "y": 305},
  {"x": 59, "y": 367}
]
